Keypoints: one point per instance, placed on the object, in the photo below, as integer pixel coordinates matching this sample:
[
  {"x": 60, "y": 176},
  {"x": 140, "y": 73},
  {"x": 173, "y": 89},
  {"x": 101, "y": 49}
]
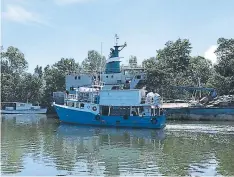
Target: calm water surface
[{"x": 37, "y": 145}]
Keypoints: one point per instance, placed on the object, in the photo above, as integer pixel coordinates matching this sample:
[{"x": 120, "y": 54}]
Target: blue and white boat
[
  {"x": 116, "y": 105},
  {"x": 119, "y": 108}
]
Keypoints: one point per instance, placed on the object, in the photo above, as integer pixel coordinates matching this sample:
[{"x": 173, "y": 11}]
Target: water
[{"x": 37, "y": 145}]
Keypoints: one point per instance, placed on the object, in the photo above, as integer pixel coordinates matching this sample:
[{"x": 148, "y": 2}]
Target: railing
[{"x": 71, "y": 96}]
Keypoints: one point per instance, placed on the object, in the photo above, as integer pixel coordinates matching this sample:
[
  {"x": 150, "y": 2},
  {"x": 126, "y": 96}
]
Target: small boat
[
  {"x": 21, "y": 108},
  {"x": 116, "y": 108}
]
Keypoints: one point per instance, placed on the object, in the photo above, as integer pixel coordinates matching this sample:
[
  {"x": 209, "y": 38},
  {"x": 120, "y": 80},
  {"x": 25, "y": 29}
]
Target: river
[{"x": 37, "y": 145}]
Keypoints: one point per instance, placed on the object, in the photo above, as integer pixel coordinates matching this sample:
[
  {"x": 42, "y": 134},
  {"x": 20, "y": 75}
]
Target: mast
[
  {"x": 100, "y": 65},
  {"x": 113, "y": 62},
  {"x": 116, "y": 39}
]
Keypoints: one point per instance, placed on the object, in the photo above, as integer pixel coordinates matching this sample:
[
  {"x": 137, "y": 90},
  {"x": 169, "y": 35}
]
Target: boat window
[
  {"x": 137, "y": 110},
  {"x": 81, "y": 105},
  {"x": 138, "y": 77},
  {"x": 78, "y": 77},
  {"x": 75, "y": 77},
  {"x": 70, "y": 104},
  {"x": 106, "y": 76},
  {"x": 105, "y": 110},
  {"x": 120, "y": 111},
  {"x": 77, "y": 105},
  {"x": 112, "y": 76},
  {"x": 115, "y": 88}
]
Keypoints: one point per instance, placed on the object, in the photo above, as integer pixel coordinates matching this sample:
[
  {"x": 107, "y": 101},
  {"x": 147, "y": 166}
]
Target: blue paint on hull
[
  {"x": 87, "y": 118},
  {"x": 201, "y": 111},
  {"x": 209, "y": 114}
]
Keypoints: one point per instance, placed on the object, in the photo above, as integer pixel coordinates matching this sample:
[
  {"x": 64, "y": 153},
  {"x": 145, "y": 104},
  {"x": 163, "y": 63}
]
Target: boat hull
[
  {"x": 192, "y": 113},
  {"x": 39, "y": 111},
  {"x": 69, "y": 115}
]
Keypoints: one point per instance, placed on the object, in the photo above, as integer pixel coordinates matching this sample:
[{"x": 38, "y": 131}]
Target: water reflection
[{"x": 37, "y": 145}]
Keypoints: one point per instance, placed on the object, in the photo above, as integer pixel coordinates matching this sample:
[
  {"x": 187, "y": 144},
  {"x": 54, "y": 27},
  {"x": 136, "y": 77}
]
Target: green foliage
[
  {"x": 132, "y": 62},
  {"x": 38, "y": 71},
  {"x": 54, "y": 76},
  {"x": 173, "y": 65},
  {"x": 225, "y": 56},
  {"x": 13, "y": 65},
  {"x": 94, "y": 63},
  {"x": 13, "y": 61},
  {"x": 175, "y": 55},
  {"x": 223, "y": 78},
  {"x": 149, "y": 63},
  {"x": 199, "y": 67}
]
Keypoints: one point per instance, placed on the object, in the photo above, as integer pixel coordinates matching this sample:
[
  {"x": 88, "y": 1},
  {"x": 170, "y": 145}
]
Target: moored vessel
[
  {"x": 210, "y": 107},
  {"x": 21, "y": 108},
  {"x": 118, "y": 108},
  {"x": 117, "y": 104}
]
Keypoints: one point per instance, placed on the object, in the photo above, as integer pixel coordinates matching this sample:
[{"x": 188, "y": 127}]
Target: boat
[
  {"x": 210, "y": 107},
  {"x": 118, "y": 106},
  {"x": 113, "y": 75},
  {"x": 21, "y": 108}
]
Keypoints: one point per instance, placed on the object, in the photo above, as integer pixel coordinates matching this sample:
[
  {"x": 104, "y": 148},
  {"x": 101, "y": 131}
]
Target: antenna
[
  {"x": 100, "y": 64},
  {"x": 101, "y": 48},
  {"x": 116, "y": 39}
]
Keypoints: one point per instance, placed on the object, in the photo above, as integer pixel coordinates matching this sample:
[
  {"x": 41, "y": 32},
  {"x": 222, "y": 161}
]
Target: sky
[{"x": 47, "y": 30}]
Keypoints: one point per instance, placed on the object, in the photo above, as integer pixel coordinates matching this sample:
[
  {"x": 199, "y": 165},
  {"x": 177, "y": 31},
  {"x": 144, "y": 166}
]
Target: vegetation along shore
[{"x": 172, "y": 65}]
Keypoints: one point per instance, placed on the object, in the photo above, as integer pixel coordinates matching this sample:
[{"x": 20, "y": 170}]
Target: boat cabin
[{"x": 10, "y": 106}]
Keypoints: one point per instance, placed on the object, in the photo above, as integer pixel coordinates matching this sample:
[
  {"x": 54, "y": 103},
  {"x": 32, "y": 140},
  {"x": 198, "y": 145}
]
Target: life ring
[
  {"x": 153, "y": 120},
  {"x": 97, "y": 117},
  {"x": 94, "y": 108}
]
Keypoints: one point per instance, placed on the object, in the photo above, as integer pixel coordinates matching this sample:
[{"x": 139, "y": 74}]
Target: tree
[
  {"x": 223, "y": 77},
  {"x": 132, "y": 62},
  {"x": 149, "y": 63},
  {"x": 225, "y": 56},
  {"x": 13, "y": 61},
  {"x": 67, "y": 66},
  {"x": 94, "y": 63},
  {"x": 38, "y": 71},
  {"x": 31, "y": 88},
  {"x": 175, "y": 55},
  {"x": 200, "y": 67},
  {"x": 169, "y": 67},
  {"x": 13, "y": 65},
  {"x": 54, "y": 76}
]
